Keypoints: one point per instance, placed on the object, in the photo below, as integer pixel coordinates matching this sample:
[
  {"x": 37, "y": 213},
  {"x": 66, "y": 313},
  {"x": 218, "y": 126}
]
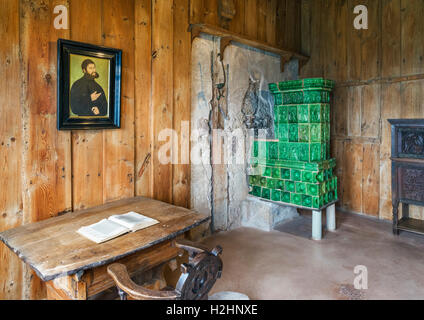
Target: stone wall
[{"x": 237, "y": 103}]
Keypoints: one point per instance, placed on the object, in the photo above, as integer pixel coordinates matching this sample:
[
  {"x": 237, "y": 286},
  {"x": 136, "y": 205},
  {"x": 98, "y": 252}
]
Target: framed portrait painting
[{"x": 89, "y": 86}]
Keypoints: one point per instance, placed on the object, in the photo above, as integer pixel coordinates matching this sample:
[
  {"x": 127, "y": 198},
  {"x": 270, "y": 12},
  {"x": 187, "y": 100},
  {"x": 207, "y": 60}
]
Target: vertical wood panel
[
  {"x": 354, "y": 111},
  {"x": 210, "y": 12},
  {"x": 237, "y": 23},
  {"x": 390, "y": 109},
  {"x": 250, "y": 18},
  {"x": 261, "y": 19},
  {"x": 311, "y": 39},
  {"x": 46, "y": 155},
  {"x": 412, "y": 13},
  {"x": 87, "y": 146},
  {"x": 370, "y": 50},
  {"x": 390, "y": 38},
  {"x": 339, "y": 110},
  {"x": 281, "y": 23},
  {"x": 354, "y": 44},
  {"x": 196, "y": 11},
  {"x": 10, "y": 147},
  {"x": 370, "y": 118},
  {"x": 118, "y": 145},
  {"x": 162, "y": 93},
  {"x": 352, "y": 176},
  {"x": 143, "y": 98},
  {"x": 341, "y": 29},
  {"x": 271, "y": 17},
  {"x": 371, "y": 179},
  {"x": 330, "y": 43},
  {"x": 182, "y": 103}
]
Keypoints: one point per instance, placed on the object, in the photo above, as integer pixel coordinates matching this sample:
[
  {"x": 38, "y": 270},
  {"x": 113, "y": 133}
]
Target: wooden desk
[{"x": 74, "y": 267}]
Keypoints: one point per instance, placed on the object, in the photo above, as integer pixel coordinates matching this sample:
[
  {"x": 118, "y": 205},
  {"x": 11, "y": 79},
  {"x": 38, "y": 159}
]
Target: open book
[{"x": 115, "y": 226}]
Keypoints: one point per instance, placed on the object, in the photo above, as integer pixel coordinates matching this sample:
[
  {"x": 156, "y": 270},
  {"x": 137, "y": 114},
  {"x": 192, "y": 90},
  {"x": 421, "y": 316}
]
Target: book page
[
  {"x": 102, "y": 231},
  {"x": 133, "y": 220}
]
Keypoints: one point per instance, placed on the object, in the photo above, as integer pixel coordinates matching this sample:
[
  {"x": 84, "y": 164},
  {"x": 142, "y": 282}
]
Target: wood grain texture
[
  {"x": 379, "y": 75},
  {"x": 143, "y": 96},
  {"x": 37, "y": 243},
  {"x": 352, "y": 176},
  {"x": 250, "y": 18},
  {"x": 371, "y": 179},
  {"x": 237, "y": 23},
  {"x": 87, "y": 146},
  {"x": 47, "y": 152},
  {"x": 162, "y": 93},
  {"x": 412, "y": 46},
  {"x": 182, "y": 103},
  {"x": 10, "y": 147},
  {"x": 118, "y": 145},
  {"x": 390, "y": 38},
  {"x": 270, "y": 20}
]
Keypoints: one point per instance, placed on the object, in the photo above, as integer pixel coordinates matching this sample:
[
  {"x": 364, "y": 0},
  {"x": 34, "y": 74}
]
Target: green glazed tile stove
[{"x": 296, "y": 169}]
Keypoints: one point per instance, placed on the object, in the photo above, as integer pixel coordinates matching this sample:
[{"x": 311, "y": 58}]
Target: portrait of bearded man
[{"x": 87, "y": 97}]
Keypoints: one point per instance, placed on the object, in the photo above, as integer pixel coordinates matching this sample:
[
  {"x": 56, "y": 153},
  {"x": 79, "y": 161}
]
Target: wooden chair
[{"x": 197, "y": 277}]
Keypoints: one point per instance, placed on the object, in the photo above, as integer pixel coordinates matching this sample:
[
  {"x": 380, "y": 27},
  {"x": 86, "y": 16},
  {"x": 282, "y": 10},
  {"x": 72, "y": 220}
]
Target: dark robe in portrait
[{"x": 81, "y": 103}]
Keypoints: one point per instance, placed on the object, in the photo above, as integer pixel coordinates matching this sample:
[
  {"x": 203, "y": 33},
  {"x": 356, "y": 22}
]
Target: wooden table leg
[
  {"x": 66, "y": 288},
  {"x": 316, "y": 225}
]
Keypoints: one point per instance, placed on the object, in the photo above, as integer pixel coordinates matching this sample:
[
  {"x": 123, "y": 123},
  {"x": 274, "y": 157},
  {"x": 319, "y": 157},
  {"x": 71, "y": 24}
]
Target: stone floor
[{"x": 287, "y": 265}]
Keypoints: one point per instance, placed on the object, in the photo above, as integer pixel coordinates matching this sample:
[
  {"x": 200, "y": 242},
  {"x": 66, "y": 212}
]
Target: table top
[{"x": 53, "y": 248}]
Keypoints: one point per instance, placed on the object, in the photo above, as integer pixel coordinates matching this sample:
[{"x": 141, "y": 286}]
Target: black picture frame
[{"x": 66, "y": 121}]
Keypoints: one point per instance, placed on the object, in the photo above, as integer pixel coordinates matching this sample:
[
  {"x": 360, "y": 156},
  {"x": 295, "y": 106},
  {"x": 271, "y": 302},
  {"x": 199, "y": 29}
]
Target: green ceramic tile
[
  {"x": 280, "y": 184},
  {"x": 303, "y": 113},
  {"x": 285, "y": 174},
  {"x": 271, "y": 184},
  {"x": 312, "y": 189},
  {"x": 315, "y": 111},
  {"x": 257, "y": 191},
  {"x": 285, "y": 197},
  {"x": 283, "y": 114},
  {"x": 290, "y": 186},
  {"x": 255, "y": 149},
  {"x": 292, "y": 114},
  {"x": 296, "y": 199},
  {"x": 268, "y": 172},
  {"x": 306, "y": 176},
  {"x": 300, "y": 187},
  {"x": 307, "y": 201},
  {"x": 273, "y": 87},
  {"x": 283, "y": 151},
  {"x": 316, "y": 132},
  {"x": 273, "y": 150},
  {"x": 304, "y": 132},
  {"x": 275, "y": 173},
  {"x": 293, "y": 132},
  {"x": 283, "y": 132},
  {"x": 296, "y": 175},
  {"x": 275, "y": 195},
  {"x": 263, "y": 181},
  {"x": 266, "y": 193},
  {"x": 253, "y": 180},
  {"x": 278, "y": 98}
]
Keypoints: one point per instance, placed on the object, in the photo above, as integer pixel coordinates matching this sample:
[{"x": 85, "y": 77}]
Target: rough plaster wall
[{"x": 229, "y": 184}]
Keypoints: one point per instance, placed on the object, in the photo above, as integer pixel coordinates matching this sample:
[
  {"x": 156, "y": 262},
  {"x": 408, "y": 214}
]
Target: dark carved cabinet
[{"x": 407, "y": 172}]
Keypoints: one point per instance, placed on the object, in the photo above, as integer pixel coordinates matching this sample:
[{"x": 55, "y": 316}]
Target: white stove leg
[
  {"x": 316, "y": 225},
  {"x": 331, "y": 217}
]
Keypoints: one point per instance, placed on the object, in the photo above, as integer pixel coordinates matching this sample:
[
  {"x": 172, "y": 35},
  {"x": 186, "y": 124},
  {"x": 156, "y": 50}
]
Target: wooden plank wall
[
  {"x": 379, "y": 75},
  {"x": 47, "y": 172},
  {"x": 276, "y": 22}
]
